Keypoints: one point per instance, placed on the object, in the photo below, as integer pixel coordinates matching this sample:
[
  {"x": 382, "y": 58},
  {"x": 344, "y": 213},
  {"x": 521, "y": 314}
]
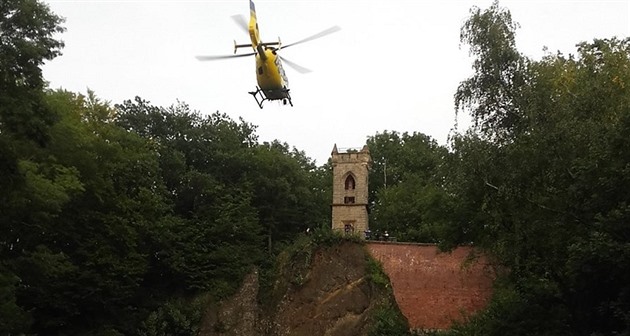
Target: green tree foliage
[
  {"x": 75, "y": 229},
  {"x": 203, "y": 162},
  {"x": 226, "y": 189},
  {"x": 176, "y": 317},
  {"x": 388, "y": 321},
  {"x": 27, "y": 29},
  {"x": 26, "y": 41},
  {"x": 406, "y": 194},
  {"x": 13, "y": 318},
  {"x": 494, "y": 90},
  {"x": 289, "y": 192},
  {"x": 542, "y": 183}
]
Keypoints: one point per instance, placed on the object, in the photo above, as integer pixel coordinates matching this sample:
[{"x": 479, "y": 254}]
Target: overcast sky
[{"x": 395, "y": 64}]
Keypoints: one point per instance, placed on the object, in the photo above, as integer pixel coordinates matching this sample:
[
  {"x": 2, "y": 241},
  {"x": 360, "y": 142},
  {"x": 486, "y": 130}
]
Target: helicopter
[{"x": 273, "y": 83}]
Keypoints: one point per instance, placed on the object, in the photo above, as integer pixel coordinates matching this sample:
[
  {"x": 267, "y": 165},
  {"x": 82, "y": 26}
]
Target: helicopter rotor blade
[
  {"x": 221, "y": 57},
  {"x": 295, "y": 66},
  {"x": 323, "y": 33},
  {"x": 240, "y": 21}
]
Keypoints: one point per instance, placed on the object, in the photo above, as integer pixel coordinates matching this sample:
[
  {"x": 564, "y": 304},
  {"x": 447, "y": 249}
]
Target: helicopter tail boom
[{"x": 254, "y": 34}]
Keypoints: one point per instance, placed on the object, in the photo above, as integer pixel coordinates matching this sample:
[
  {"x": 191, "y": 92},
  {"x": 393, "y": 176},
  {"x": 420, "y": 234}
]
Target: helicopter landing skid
[{"x": 260, "y": 97}]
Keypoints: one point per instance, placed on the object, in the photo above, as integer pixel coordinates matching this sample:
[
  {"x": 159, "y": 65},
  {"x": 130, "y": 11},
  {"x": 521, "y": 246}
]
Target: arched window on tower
[{"x": 349, "y": 183}]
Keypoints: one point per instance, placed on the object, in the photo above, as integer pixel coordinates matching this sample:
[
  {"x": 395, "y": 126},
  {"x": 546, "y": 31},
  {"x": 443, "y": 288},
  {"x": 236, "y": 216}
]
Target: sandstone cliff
[{"x": 334, "y": 290}]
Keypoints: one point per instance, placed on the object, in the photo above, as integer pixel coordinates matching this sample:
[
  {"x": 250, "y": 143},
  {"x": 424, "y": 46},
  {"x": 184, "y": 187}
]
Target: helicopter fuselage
[
  {"x": 272, "y": 81},
  {"x": 270, "y": 75}
]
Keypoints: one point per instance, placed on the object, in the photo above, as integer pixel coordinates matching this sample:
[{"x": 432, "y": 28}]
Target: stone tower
[{"x": 350, "y": 190}]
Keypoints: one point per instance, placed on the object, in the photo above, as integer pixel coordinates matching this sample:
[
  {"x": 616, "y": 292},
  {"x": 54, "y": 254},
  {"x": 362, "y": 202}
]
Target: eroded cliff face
[
  {"x": 238, "y": 315},
  {"x": 334, "y": 295}
]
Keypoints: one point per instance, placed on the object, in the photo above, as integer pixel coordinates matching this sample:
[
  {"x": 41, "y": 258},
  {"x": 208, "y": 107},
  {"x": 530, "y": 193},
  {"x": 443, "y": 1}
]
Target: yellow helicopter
[{"x": 272, "y": 80}]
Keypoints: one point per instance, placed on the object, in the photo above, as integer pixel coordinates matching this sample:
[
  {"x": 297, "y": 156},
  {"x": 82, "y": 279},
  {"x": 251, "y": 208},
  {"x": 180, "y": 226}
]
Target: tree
[
  {"x": 91, "y": 197},
  {"x": 205, "y": 163},
  {"x": 406, "y": 195},
  {"x": 541, "y": 183},
  {"x": 26, "y": 40},
  {"x": 288, "y": 195},
  {"x": 493, "y": 92},
  {"x": 27, "y": 30}
]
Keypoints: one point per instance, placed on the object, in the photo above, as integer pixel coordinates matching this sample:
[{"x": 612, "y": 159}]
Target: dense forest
[{"x": 122, "y": 219}]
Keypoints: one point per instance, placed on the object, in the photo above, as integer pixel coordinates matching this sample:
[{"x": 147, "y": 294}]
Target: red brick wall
[{"x": 431, "y": 288}]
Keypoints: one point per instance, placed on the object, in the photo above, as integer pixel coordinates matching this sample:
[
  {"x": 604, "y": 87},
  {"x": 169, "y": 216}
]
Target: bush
[
  {"x": 388, "y": 321},
  {"x": 175, "y": 318}
]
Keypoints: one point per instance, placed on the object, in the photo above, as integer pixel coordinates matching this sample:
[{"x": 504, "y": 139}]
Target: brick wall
[{"x": 431, "y": 288}]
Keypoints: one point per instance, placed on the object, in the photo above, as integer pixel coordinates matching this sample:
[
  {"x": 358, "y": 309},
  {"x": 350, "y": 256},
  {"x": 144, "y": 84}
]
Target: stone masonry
[{"x": 350, "y": 190}]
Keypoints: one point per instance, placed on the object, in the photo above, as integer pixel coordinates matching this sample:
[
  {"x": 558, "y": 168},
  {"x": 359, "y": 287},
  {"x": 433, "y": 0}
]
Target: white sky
[{"x": 395, "y": 64}]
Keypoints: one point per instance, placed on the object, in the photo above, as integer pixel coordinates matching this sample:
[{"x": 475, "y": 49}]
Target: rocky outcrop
[
  {"x": 236, "y": 316},
  {"x": 333, "y": 296}
]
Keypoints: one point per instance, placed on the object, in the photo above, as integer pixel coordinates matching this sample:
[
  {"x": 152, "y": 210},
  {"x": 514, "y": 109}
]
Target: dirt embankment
[{"x": 328, "y": 291}]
